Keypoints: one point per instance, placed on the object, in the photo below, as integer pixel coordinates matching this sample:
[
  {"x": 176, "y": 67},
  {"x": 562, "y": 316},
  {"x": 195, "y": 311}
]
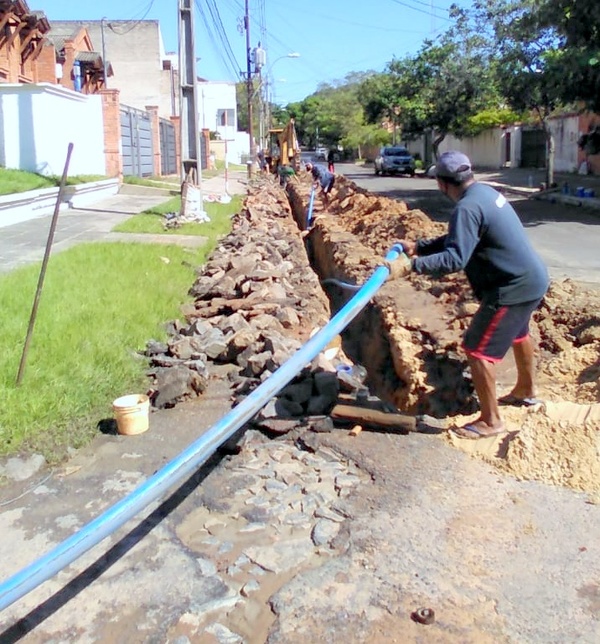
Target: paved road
[{"x": 567, "y": 237}]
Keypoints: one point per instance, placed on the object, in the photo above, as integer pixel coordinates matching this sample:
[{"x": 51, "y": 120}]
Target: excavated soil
[{"x": 409, "y": 340}]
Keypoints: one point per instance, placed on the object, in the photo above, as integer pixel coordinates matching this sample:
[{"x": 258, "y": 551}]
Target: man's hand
[
  {"x": 400, "y": 267},
  {"x": 409, "y": 247}
]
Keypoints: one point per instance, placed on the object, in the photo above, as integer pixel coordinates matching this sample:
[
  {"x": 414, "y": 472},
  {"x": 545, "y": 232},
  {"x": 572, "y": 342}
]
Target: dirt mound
[{"x": 424, "y": 319}]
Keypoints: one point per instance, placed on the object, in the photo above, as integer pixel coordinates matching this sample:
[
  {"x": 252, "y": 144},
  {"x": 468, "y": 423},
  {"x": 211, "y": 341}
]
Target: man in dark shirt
[
  {"x": 486, "y": 238},
  {"x": 322, "y": 177}
]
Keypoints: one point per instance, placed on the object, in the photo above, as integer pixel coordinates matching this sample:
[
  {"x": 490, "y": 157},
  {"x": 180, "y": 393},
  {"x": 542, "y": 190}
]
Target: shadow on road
[{"x": 537, "y": 212}]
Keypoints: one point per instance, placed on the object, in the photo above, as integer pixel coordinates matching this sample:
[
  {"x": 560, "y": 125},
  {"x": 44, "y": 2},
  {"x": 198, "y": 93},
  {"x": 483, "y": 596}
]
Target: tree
[
  {"x": 332, "y": 115},
  {"x": 527, "y": 69},
  {"x": 577, "y": 53},
  {"x": 440, "y": 89}
]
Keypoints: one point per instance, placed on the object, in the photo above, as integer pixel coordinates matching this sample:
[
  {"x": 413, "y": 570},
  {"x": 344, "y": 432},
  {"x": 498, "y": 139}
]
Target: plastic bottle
[{"x": 351, "y": 377}]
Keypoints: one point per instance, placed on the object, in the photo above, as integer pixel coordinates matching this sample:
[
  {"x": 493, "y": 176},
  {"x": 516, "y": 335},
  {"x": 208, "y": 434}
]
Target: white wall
[
  {"x": 215, "y": 96},
  {"x": 38, "y": 121},
  {"x": 566, "y": 133},
  {"x": 484, "y": 150},
  {"x": 136, "y": 53}
]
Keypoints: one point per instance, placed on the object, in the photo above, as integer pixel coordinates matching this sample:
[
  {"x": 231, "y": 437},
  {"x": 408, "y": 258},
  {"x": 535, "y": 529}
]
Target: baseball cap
[{"x": 453, "y": 165}]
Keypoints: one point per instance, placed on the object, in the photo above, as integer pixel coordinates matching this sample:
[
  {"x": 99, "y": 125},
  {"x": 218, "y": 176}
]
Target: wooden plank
[{"x": 373, "y": 418}]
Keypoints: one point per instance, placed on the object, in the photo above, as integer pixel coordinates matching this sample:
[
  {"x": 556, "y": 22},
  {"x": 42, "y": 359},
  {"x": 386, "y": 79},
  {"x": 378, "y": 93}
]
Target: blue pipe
[
  {"x": 311, "y": 203},
  {"x": 193, "y": 456}
]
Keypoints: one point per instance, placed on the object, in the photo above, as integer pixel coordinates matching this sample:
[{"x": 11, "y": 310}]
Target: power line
[
  {"x": 212, "y": 6},
  {"x": 427, "y": 13},
  {"x": 217, "y": 33},
  {"x": 135, "y": 24},
  {"x": 430, "y": 5}
]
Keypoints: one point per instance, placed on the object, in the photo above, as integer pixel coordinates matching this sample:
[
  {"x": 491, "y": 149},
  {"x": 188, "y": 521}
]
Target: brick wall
[
  {"x": 46, "y": 65},
  {"x": 112, "y": 132},
  {"x": 155, "y": 126},
  {"x": 176, "y": 120},
  {"x": 67, "y": 77},
  {"x": 10, "y": 62},
  {"x": 205, "y": 134}
]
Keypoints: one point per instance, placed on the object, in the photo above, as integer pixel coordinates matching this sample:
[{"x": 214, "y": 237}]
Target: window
[{"x": 226, "y": 117}]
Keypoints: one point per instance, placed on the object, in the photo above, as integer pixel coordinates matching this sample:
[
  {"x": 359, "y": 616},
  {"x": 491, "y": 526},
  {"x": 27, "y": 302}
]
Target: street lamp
[{"x": 266, "y": 111}]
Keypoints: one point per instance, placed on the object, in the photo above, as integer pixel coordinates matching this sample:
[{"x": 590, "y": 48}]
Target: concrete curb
[
  {"x": 590, "y": 203},
  {"x": 23, "y": 206},
  {"x": 553, "y": 196}
]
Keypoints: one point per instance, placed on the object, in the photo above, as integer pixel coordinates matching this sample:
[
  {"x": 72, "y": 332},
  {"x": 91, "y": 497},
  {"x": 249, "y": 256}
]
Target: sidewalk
[
  {"x": 25, "y": 242},
  {"x": 526, "y": 182}
]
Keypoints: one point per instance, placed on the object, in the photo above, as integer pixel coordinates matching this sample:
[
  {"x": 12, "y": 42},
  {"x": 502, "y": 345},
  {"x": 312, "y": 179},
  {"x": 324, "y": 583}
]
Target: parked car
[
  {"x": 321, "y": 154},
  {"x": 394, "y": 160}
]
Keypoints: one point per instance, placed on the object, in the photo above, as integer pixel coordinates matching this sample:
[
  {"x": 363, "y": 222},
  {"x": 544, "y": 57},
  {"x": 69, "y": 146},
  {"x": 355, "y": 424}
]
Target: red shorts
[{"x": 495, "y": 327}]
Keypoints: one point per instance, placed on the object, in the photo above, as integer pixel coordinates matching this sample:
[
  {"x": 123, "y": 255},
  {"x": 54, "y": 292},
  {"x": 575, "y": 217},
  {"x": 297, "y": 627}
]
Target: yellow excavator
[{"x": 284, "y": 149}]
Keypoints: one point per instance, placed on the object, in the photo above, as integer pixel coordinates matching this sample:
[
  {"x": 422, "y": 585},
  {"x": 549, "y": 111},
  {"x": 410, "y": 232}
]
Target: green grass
[
  {"x": 14, "y": 181},
  {"x": 220, "y": 169},
  {"x": 100, "y": 305},
  {"x": 151, "y": 221}
]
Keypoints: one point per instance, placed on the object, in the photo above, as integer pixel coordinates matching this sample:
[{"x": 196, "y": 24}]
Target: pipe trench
[{"x": 409, "y": 363}]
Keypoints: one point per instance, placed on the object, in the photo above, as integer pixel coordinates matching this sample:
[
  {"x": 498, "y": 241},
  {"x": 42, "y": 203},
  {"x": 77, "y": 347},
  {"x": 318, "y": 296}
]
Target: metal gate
[
  {"x": 533, "y": 149},
  {"x": 136, "y": 142},
  {"x": 168, "y": 155}
]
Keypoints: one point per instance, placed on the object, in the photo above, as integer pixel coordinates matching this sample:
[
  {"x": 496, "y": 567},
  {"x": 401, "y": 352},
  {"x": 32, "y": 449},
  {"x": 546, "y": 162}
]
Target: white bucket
[{"x": 132, "y": 413}]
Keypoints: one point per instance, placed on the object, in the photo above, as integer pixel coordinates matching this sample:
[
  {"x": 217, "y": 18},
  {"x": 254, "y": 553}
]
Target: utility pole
[
  {"x": 250, "y": 91},
  {"x": 191, "y": 151}
]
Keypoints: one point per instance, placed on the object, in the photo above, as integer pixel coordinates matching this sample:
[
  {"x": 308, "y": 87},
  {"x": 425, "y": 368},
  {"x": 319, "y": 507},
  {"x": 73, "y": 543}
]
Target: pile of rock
[{"x": 255, "y": 303}]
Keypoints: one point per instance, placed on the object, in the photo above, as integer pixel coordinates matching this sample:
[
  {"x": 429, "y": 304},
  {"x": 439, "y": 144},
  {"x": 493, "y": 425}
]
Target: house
[
  {"x": 70, "y": 59},
  {"x": 141, "y": 70},
  {"x": 217, "y": 112},
  {"x": 22, "y": 36}
]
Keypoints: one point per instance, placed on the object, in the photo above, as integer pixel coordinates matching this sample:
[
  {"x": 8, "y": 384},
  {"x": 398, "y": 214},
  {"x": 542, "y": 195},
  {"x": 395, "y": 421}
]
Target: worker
[
  {"x": 331, "y": 161},
  {"x": 262, "y": 161},
  {"x": 485, "y": 238},
  {"x": 285, "y": 173},
  {"x": 321, "y": 177}
]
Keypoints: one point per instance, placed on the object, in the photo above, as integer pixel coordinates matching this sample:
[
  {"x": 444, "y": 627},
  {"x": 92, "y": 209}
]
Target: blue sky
[{"x": 333, "y": 37}]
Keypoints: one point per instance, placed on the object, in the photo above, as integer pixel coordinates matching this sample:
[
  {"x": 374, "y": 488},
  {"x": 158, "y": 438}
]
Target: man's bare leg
[
  {"x": 484, "y": 381},
  {"x": 524, "y": 359}
]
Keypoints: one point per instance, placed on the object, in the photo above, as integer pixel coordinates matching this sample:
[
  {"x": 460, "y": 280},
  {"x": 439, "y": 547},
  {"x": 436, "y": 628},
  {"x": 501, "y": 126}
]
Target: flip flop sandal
[
  {"x": 470, "y": 432},
  {"x": 514, "y": 401}
]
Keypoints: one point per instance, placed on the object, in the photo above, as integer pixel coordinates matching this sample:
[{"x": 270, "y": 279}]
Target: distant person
[
  {"x": 285, "y": 172},
  {"x": 331, "y": 161},
  {"x": 262, "y": 162},
  {"x": 487, "y": 240},
  {"x": 321, "y": 177}
]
